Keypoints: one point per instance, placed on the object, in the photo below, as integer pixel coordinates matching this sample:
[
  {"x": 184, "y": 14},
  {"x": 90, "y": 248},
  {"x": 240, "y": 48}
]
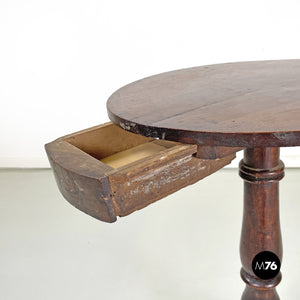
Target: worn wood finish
[
  {"x": 261, "y": 170},
  {"x": 247, "y": 104},
  {"x": 105, "y": 192},
  {"x": 213, "y": 152}
]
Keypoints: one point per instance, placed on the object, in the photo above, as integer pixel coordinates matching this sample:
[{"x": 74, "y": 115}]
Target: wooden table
[{"x": 218, "y": 110}]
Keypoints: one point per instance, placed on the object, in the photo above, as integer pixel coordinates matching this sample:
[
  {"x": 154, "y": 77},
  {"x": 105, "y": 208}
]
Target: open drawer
[{"x": 107, "y": 172}]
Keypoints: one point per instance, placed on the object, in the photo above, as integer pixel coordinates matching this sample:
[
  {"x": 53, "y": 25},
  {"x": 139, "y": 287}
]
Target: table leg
[{"x": 261, "y": 170}]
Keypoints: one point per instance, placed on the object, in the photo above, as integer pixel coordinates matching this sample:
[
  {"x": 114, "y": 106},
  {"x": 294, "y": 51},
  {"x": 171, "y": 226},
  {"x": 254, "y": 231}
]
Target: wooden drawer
[{"x": 107, "y": 172}]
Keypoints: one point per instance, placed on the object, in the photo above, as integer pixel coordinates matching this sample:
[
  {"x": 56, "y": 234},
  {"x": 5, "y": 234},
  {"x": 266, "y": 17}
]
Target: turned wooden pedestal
[
  {"x": 173, "y": 129},
  {"x": 261, "y": 170}
]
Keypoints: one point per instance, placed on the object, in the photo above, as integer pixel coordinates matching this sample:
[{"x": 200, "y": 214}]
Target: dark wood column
[{"x": 261, "y": 170}]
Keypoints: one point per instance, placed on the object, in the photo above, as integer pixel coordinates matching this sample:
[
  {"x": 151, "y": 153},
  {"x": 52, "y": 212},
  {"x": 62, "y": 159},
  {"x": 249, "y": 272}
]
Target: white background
[{"x": 61, "y": 60}]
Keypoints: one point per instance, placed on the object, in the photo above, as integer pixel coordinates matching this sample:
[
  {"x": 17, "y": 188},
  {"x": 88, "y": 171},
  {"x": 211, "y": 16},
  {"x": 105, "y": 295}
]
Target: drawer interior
[
  {"x": 136, "y": 153},
  {"x": 116, "y": 147}
]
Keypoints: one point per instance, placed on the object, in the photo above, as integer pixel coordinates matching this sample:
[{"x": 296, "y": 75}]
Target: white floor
[{"x": 185, "y": 246}]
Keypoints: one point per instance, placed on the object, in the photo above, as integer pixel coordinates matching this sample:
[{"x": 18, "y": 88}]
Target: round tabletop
[{"x": 243, "y": 104}]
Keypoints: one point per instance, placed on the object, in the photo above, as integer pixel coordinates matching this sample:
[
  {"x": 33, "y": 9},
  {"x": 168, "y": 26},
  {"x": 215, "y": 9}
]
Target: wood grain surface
[{"x": 245, "y": 104}]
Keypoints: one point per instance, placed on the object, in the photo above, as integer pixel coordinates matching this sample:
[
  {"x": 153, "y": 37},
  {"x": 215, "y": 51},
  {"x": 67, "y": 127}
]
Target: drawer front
[{"x": 140, "y": 185}]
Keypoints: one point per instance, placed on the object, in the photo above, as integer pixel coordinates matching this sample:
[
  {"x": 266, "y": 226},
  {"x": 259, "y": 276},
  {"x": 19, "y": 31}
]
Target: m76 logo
[{"x": 266, "y": 265}]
